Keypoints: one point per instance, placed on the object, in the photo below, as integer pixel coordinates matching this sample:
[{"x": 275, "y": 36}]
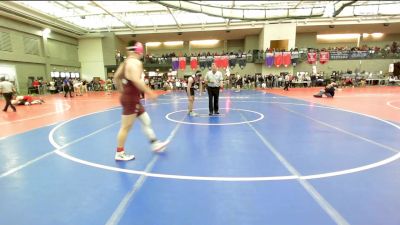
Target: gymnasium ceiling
[{"x": 80, "y": 18}]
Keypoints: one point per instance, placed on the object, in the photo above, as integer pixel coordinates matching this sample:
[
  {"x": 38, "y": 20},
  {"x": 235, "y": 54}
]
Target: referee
[
  {"x": 213, "y": 81},
  {"x": 7, "y": 89}
]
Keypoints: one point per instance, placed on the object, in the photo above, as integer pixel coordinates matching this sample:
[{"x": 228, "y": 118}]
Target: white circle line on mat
[
  {"x": 234, "y": 179},
  {"x": 389, "y": 103},
  {"x": 261, "y": 116}
]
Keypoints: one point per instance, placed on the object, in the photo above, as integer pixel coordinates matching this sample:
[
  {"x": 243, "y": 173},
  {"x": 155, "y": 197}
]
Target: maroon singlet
[{"x": 130, "y": 98}]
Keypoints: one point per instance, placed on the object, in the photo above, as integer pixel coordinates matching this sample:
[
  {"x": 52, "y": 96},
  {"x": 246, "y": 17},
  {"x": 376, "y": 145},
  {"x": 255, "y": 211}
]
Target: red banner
[
  {"x": 278, "y": 59},
  {"x": 182, "y": 63},
  {"x": 193, "y": 63},
  {"x": 287, "y": 59},
  {"x": 311, "y": 57},
  {"x": 323, "y": 57}
]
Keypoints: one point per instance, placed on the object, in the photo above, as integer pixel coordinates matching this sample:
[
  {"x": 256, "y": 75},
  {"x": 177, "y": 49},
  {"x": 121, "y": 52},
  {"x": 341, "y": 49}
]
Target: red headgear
[{"x": 137, "y": 48}]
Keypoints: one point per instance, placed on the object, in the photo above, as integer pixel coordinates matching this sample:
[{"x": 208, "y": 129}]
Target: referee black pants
[
  {"x": 8, "y": 97},
  {"x": 213, "y": 98}
]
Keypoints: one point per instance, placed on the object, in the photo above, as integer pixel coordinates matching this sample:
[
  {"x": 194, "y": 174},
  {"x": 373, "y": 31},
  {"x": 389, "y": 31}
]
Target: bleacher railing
[{"x": 259, "y": 56}]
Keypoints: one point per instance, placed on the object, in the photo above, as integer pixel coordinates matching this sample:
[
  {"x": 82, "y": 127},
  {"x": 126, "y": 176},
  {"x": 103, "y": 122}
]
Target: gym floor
[{"x": 271, "y": 157}]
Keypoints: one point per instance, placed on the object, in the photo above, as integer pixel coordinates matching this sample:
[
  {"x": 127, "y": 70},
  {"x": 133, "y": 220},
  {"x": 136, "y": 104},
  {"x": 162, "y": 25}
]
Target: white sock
[{"x": 146, "y": 126}]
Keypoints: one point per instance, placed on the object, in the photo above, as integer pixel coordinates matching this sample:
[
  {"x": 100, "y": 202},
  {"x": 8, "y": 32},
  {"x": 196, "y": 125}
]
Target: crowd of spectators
[
  {"x": 392, "y": 50},
  {"x": 76, "y": 85}
]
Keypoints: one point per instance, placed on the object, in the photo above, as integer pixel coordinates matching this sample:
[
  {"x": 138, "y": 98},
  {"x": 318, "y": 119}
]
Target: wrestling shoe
[
  {"x": 193, "y": 114},
  {"x": 122, "y": 156},
  {"x": 159, "y": 146}
]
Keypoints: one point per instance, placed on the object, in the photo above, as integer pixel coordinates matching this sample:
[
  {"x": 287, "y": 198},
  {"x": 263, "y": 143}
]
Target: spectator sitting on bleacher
[
  {"x": 52, "y": 87},
  {"x": 36, "y": 84},
  {"x": 348, "y": 81},
  {"x": 392, "y": 80},
  {"x": 84, "y": 86},
  {"x": 177, "y": 84}
]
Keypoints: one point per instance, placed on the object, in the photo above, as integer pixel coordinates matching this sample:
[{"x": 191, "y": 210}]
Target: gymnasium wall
[
  {"x": 162, "y": 49},
  {"x": 223, "y": 45},
  {"x": 120, "y": 45},
  {"x": 23, "y": 48},
  {"x": 304, "y": 40},
  {"x": 235, "y": 45},
  {"x": 387, "y": 39},
  {"x": 251, "y": 42},
  {"x": 91, "y": 55},
  {"x": 309, "y": 40},
  {"x": 109, "y": 47},
  {"x": 370, "y": 65},
  {"x": 25, "y": 70}
]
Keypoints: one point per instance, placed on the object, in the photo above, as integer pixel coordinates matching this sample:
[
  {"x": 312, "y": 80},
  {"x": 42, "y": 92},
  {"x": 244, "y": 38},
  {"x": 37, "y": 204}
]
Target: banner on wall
[
  {"x": 210, "y": 61},
  {"x": 217, "y": 61},
  {"x": 278, "y": 59},
  {"x": 269, "y": 59},
  {"x": 182, "y": 63},
  {"x": 323, "y": 57},
  {"x": 335, "y": 55},
  {"x": 175, "y": 63},
  {"x": 358, "y": 55},
  {"x": 287, "y": 59},
  {"x": 242, "y": 62},
  {"x": 193, "y": 63},
  {"x": 311, "y": 57},
  {"x": 232, "y": 61},
  {"x": 203, "y": 62},
  {"x": 225, "y": 61}
]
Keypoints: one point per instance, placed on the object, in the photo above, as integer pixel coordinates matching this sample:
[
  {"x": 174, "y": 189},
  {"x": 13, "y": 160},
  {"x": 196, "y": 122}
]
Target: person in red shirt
[{"x": 36, "y": 85}]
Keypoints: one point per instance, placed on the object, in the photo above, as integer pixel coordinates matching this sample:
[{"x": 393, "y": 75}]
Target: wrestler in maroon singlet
[{"x": 130, "y": 99}]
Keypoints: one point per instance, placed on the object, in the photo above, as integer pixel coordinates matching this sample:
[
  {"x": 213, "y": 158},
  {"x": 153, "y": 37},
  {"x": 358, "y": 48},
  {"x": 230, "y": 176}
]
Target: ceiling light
[
  {"x": 365, "y": 35},
  {"x": 337, "y": 36},
  {"x": 153, "y": 44},
  {"x": 173, "y": 43},
  {"x": 377, "y": 35},
  {"x": 204, "y": 42}
]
